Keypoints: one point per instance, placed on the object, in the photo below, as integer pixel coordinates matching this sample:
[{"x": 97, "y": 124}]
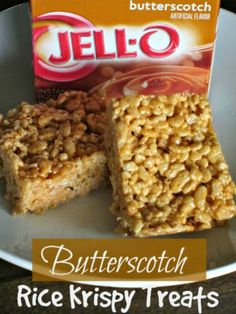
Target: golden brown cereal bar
[
  {"x": 167, "y": 168},
  {"x": 53, "y": 152}
]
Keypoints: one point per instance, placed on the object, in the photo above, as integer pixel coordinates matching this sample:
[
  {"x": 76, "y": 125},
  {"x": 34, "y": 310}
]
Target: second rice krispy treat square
[
  {"x": 167, "y": 168},
  {"x": 51, "y": 152}
]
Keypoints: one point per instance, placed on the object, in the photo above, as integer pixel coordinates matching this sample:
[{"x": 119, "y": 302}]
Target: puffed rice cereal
[
  {"x": 167, "y": 168},
  {"x": 51, "y": 152}
]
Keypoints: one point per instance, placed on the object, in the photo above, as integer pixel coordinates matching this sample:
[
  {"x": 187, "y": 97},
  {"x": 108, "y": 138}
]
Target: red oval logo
[{"x": 68, "y": 47}]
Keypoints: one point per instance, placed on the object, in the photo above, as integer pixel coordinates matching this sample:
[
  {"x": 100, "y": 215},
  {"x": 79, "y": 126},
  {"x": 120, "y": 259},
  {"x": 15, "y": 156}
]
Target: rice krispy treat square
[
  {"x": 51, "y": 152},
  {"x": 167, "y": 168}
]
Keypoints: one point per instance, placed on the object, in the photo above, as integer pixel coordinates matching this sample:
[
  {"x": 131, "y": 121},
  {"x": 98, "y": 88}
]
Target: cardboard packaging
[{"x": 123, "y": 47}]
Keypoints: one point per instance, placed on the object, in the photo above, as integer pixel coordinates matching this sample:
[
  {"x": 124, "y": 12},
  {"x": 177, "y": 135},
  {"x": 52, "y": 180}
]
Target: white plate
[{"x": 89, "y": 216}]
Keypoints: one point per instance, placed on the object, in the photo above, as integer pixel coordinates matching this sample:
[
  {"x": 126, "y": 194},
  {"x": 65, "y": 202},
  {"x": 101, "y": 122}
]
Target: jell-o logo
[{"x": 68, "y": 43}]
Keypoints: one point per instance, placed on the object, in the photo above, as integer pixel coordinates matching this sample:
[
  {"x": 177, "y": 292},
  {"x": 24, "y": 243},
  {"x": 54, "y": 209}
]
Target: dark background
[{"x": 227, "y": 4}]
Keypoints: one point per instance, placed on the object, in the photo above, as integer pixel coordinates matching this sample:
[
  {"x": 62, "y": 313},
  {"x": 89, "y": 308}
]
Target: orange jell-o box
[{"x": 123, "y": 47}]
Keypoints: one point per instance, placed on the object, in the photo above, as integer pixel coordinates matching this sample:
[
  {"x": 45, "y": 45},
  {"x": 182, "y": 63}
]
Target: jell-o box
[{"x": 123, "y": 48}]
